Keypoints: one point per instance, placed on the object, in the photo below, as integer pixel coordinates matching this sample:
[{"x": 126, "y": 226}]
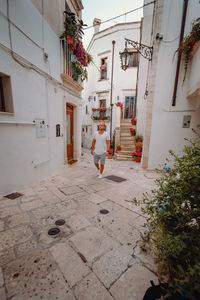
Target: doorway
[
  {"x": 129, "y": 107},
  {"x": 69, "y": 132}
]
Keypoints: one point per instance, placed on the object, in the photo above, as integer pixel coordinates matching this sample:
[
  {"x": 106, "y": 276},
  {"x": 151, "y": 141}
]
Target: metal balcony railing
[{"x": 101, "y": 114}]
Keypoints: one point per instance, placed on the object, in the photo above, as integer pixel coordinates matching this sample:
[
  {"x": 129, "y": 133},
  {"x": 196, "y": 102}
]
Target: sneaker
[
  {"x": 100, "y": 176},
  {"x": 98, "y": 173}
]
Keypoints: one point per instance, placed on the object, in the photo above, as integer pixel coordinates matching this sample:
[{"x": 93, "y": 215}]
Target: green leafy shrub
[{"x": 173, "y": 224}]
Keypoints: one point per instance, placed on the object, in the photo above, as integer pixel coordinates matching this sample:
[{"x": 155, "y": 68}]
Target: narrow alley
[{"x": 95, "y": 254}]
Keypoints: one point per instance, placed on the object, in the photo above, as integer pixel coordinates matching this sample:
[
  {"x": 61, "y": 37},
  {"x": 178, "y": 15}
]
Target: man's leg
[
  {"x": 96, "y": 160},
  {"x": 102, "y": 163},
  {"x": 101, "y": 169},
  {"x": 97, "y": 165}
]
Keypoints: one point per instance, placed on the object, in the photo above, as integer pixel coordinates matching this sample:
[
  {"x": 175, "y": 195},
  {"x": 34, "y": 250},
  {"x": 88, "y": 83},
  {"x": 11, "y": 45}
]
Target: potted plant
[
  {"x": 118, "y": 148},
  {"x": 133, "y": 131},
  {"x": 133, "y": 121},
  {"x": 138, "y": 146},
  {"x": 138, "y": 138},
  {"x": 137, "y": 156}
]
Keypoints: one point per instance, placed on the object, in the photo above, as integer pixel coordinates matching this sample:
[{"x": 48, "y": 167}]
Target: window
[
  {"x": 133, "y": 59},
  {"x": 86, "y": 110},
  {"x": 83, "y": 129},
  {"x": 6, "y": 101},
  {"x": 67, "y": 58},
  {"x": 94, "y": 98},
  {"x": 86, "y": 129},
  {"x": 102, "y": 103},
  {"x": 103, "y": 68}
]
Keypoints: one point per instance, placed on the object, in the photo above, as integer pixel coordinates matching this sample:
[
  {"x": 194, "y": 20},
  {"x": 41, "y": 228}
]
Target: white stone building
[
  {"x": 102, "y": 90},
  {"x": 40, "y": 104},
  {"x": 166, "y": 111}
]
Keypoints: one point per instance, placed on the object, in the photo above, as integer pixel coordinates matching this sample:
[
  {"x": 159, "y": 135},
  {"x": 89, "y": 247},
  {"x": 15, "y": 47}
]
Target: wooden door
[
  {"x": 129, "y": 107},
  {"x": 69, "y": 132}
]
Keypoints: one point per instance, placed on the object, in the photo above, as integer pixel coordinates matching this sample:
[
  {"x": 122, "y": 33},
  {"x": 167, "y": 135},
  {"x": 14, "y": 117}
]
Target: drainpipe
[
  {"x": 179, "y": 53},
  {"x": 136, "y": 91},
  {"x": 111, "y": 104}
]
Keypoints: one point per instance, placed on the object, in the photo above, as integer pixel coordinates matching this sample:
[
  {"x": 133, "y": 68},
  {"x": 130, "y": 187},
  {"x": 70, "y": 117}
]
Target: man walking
[{"x": 100, "y": 148}]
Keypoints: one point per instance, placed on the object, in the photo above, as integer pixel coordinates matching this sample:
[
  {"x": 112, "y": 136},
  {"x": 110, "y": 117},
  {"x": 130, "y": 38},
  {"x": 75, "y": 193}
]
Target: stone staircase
[{"x": 127, "y": 141}]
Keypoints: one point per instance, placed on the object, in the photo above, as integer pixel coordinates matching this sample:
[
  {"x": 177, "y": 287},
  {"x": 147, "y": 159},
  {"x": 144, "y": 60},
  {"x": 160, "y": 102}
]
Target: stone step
[
  {"x": 128, "y": 148},
  {"x": 125, "y": 134},
  {"x": 127, "y": 139},
  {"x": 125, "y": 152},
  {"x": 123, "y": 157},
  {"x": 125, "y": 120},
  {"x": 127, "y": 143},
  {"x": 127, "y": 128},
  {"x": 128, "y": 125}
]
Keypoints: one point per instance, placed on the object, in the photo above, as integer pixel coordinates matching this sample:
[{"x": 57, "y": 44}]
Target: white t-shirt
[{"x": 101, "y": 144}]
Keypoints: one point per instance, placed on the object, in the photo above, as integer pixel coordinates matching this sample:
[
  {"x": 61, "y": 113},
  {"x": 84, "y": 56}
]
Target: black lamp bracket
[{"x": 144, "y": 50}]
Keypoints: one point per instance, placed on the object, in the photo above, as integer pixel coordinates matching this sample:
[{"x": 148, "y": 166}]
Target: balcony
[
  {"x": 100, "y": 114},
  {"x": 67, "y": 75}
]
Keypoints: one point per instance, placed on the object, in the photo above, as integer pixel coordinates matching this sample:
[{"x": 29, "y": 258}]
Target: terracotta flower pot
[
  {"x": 69, "y": 40},
  {"x": 138, "y": 159}
]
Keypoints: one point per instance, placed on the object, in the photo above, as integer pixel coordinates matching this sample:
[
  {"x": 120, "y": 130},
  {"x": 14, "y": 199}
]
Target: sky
[{"x": 106, "y": 9}]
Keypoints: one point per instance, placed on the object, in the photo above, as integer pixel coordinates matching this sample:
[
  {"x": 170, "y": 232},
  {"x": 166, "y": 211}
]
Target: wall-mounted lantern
[{"x": 144, "y": 50}]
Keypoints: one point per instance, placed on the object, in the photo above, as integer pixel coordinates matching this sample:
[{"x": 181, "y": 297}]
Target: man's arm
[
  {"x": 108, "y": 146},
  {"x": 93, "y": 145}
]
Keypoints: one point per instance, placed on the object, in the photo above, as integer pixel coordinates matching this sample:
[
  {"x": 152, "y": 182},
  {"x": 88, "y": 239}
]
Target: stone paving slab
[
  {"x": 111, "y": 265},
  {"x": 7, "y": 202},
  {"x": 92, "y": 243},
  {"x": 70, "y": 263},
  {"x": 53, "y": 286},
  {"x": 18, "y": 220},
  {"x": 95, "y": 256},
  {"x": 1, "y": 225},
  {"x": 21, "y": 273},
  {"x": 2, "y": 293},
  {"x": 9, "y": 211},
  {"x": 133, "y": 283},
  {"x": 90, "y": 288},
  {"x": 11, "y": 237}
]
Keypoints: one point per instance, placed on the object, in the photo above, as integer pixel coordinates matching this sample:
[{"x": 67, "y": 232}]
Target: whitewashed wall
[
  {"x": 25, "y": 159},
  {"x": 124, "y": 82},
  {"x": 167, "y": 131}
]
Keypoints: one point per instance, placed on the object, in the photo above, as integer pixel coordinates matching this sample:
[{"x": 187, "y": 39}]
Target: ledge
[
  {"x": 70, "y": 82},
  {"x": 194, "y": 91}
]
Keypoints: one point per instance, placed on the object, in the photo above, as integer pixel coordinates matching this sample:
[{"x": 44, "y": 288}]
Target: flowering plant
[
  {"x": 136, "y": 154},
  {"x": 118, "y": 103},
  {"x": 133, "y": 121},
  {"x": 81, "y": 54},
  {"x": 132, "y": 129},
  {"x": 189, "y": 42}
]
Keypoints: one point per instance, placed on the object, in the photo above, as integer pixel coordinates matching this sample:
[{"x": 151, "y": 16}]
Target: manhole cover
[
  {"x": 53, "y": 231},
  {"x": 60, "y": 222},
  {"x": 115, "y": 178},
  {"x": 13, "y": 195},
  {"x": 104, "y": 211}
]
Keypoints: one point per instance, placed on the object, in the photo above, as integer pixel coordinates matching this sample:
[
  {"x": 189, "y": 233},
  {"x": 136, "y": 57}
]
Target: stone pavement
[{"x": 95, "y": 256}]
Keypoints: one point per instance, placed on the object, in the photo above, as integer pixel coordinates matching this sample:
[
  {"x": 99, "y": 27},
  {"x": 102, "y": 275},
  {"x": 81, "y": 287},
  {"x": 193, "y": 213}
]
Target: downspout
[
  {"x": 111, "y": 104},
  {"x": 179, "y": 53},
  {"x": 136, "y": 91}
]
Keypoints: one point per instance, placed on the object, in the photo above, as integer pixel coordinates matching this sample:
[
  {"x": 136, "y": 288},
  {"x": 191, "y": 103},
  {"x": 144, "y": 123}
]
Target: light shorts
[{"x": 101, "y": 157}]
